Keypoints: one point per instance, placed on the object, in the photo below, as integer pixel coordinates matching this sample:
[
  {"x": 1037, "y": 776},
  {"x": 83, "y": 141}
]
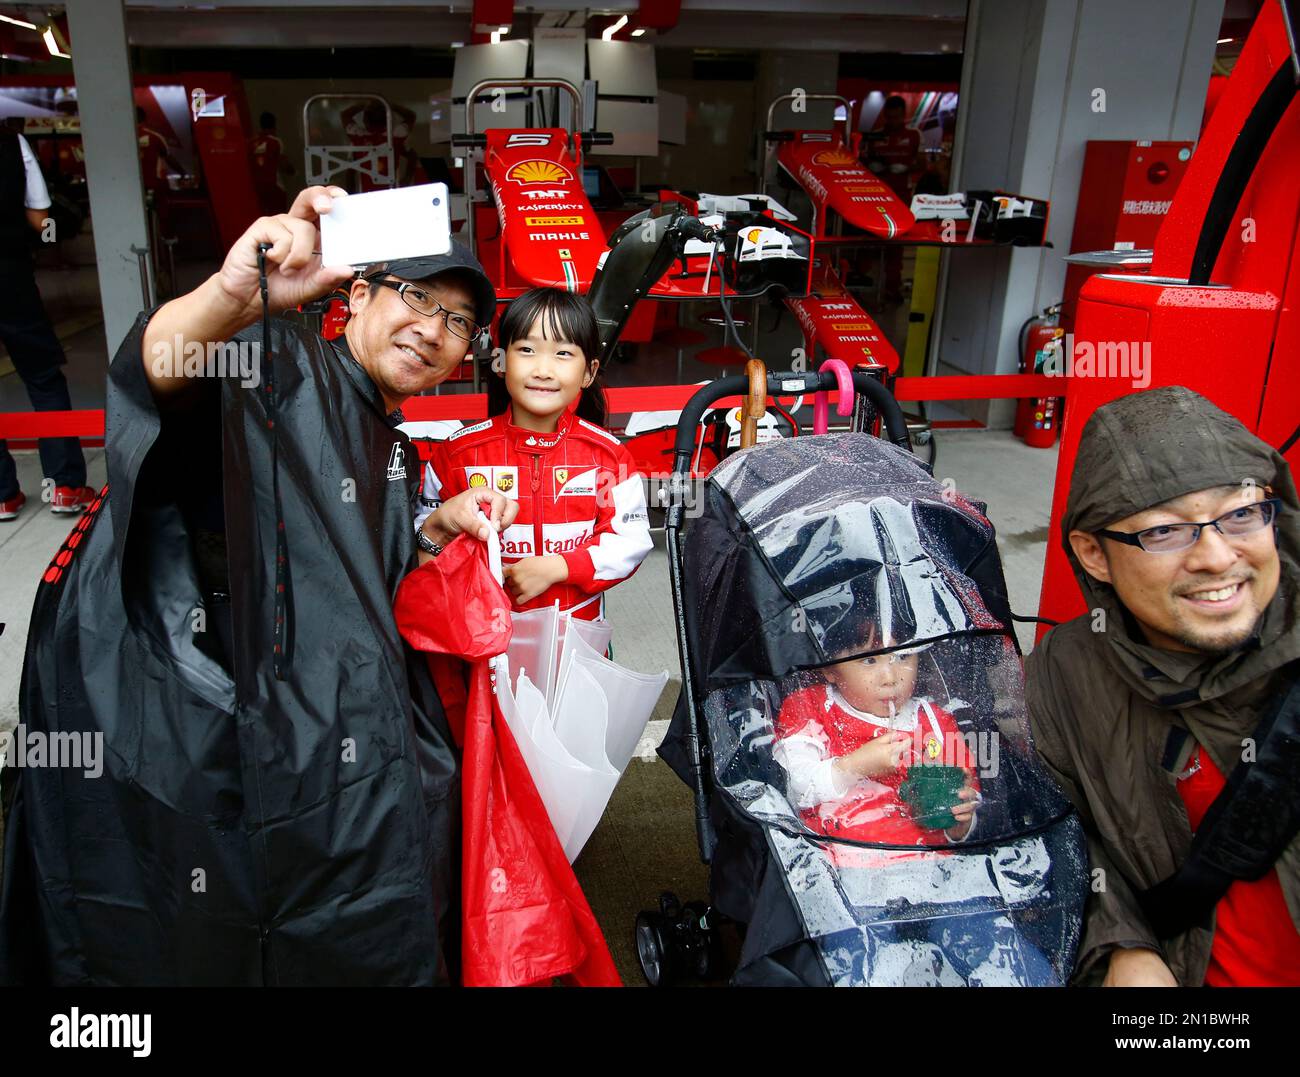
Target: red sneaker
[
  {"x": 71, "y": 500},
  {"x": 10, "y": 509}
]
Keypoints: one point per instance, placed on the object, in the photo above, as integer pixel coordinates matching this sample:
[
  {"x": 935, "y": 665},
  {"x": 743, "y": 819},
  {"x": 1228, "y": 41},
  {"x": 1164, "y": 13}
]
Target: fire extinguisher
[{"x": 1038, "y": 419}]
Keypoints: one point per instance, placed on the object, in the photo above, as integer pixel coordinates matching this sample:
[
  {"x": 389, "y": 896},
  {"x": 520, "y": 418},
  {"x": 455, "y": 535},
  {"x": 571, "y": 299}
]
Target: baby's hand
[
  {"x": 881, "y": 756},
  {"x": 964, "y": 812}
]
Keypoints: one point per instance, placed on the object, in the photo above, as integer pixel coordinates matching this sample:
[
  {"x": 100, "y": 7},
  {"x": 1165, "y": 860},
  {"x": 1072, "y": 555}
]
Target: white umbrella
[{"x": 577, "y": 735}]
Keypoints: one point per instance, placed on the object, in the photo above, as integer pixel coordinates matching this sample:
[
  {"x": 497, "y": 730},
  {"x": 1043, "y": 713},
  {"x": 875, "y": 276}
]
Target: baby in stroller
[
  {"x": 849, "y": 742},
  {"x": 870, "y": 761}
]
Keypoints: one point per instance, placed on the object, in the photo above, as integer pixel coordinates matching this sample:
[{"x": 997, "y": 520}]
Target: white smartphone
[{"x": 381, "y": 226}]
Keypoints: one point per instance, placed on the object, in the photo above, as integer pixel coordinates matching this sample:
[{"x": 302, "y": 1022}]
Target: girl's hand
[
  {"x": 529, "y": 577},
  {"x": 964, "y": 812},
  {"x": 881, "y": 756}
]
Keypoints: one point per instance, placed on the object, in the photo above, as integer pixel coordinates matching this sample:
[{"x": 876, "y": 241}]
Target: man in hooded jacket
[
  {"x": 277, "y": 800},
  {"x": 1144, "y": 706}
]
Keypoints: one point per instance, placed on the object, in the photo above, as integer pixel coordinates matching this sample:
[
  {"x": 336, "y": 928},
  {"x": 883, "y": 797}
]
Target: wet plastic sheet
[{"x": 890, "y": 895}]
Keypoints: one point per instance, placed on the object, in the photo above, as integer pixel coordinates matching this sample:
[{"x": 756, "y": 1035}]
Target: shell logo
[
  {"x": 536, "y": 172},
  {"x": 477, "y": 480},
  {"x": 837, "y": 158},
  {"x": 753, "y": 235}
]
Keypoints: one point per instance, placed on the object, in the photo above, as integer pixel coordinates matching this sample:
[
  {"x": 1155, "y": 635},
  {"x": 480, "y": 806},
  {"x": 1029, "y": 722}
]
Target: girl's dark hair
[{"x": 565, "y": 316}]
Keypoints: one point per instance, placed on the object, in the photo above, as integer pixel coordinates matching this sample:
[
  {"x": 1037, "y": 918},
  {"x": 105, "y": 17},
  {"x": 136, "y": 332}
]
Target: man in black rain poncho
[{"x": 279, "y": 788}]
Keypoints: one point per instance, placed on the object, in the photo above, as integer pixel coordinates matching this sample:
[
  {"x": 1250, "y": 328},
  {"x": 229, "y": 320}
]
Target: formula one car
[{"x": 851, "y": 205}]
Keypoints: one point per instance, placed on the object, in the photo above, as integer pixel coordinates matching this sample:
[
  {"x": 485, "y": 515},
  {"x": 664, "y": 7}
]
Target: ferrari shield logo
[
  {"x": 933, "y": 749},
  {"x": 561, "y": 476}
]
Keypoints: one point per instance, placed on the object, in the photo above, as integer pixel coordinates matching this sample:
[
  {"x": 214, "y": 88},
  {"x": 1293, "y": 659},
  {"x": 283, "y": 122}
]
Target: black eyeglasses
[
  {"x": 1169, "y": 538},
  {"x": 422, "y": 302}
]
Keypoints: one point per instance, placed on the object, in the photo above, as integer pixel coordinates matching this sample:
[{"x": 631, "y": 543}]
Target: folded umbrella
[{"x": 524, "y": 917}]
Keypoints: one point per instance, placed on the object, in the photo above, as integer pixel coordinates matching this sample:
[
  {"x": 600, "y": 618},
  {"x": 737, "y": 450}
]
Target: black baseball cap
[{"x": 429, "y": 266}]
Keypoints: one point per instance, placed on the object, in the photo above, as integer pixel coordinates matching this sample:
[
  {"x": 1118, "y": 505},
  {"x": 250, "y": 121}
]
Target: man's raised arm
[{"x": 230, "y": 300}]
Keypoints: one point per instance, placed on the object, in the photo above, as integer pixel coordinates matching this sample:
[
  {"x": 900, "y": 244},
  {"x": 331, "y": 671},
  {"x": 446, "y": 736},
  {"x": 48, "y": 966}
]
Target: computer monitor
[{"x": 591, "y": 181}]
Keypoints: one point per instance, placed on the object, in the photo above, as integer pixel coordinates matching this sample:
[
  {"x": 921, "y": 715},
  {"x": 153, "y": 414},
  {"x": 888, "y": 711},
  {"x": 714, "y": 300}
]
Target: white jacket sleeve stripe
[{"x": 618, "y": 551}]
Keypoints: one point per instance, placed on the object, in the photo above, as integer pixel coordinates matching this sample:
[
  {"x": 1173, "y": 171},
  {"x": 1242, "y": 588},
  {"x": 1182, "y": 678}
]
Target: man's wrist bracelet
[{"x": 427, "y": 544}]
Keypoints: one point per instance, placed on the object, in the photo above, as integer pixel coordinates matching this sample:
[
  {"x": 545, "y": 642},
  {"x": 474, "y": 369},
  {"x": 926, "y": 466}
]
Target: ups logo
[{"x": 505, "y": 483}]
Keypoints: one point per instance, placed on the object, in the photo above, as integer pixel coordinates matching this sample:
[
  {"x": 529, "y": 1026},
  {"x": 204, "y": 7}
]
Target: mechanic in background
[
  {"x": 891, "y": 153},
  {"x": 27, "y": 333}
]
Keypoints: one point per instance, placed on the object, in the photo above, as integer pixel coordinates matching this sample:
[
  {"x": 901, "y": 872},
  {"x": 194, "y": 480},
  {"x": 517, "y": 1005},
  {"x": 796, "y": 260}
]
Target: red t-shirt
[
  {"x": 1255, "y": 941},
  {"x": 265, "y": 150}
]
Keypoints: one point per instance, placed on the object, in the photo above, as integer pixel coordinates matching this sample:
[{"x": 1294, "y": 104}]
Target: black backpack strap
[{"x": 1245, "y": 830}]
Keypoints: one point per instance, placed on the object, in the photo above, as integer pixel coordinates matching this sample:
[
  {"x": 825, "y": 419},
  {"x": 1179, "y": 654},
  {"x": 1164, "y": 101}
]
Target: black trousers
[{"x": 38, "y": 358}]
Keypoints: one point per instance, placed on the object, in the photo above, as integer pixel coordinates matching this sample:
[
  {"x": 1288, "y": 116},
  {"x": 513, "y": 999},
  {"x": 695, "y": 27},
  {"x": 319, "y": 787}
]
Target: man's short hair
[
  {"x": 895, "y": 101},
  {"x": 267, "y": 121}
]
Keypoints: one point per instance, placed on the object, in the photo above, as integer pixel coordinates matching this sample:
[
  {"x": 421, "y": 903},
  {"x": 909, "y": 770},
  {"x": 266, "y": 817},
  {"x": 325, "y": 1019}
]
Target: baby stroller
[{"x": 803, "y": 560}]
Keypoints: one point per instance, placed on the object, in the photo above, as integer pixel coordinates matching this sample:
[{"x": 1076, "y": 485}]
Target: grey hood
[{"x": 1144, "y": 449}]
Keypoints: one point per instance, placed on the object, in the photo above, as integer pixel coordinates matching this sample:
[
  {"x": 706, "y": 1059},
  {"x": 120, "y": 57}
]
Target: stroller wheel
[{"x": 653, "y": 951}]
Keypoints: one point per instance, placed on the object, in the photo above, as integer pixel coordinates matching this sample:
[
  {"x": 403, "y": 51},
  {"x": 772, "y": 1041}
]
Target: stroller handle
[{"x": 783, "y": 383}]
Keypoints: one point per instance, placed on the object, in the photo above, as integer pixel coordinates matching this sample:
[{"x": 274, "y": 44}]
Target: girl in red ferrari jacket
[{"x": 582, "y": 524}]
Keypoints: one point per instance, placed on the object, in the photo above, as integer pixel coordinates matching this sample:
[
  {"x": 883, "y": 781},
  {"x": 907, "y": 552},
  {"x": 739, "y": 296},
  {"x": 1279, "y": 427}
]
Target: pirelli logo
[{"x": 542, "y": 222}]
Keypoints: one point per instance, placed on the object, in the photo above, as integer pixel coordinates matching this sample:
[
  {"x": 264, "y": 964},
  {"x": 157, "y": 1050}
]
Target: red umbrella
[{"x": 524, "y": 917}]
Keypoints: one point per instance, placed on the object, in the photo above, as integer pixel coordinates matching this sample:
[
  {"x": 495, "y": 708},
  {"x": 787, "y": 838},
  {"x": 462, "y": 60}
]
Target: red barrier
[{"x": 622, "y": 401}]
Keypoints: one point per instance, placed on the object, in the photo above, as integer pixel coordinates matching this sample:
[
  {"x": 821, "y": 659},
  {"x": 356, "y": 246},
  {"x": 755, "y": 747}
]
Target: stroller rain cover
[{"x": 835, "y": 593}]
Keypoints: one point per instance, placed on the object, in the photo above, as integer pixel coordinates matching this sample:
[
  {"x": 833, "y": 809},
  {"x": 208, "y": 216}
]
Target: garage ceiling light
[
  {"x": 614, "y": 28},
  {"x": 638, "y": 31},
  {"x": 19, "y": 22},
  {"x": 52, "y": 43}
]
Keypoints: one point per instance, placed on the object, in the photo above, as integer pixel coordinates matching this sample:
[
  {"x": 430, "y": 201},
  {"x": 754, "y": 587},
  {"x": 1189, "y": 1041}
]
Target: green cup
[{"x": 930, "y": 791}]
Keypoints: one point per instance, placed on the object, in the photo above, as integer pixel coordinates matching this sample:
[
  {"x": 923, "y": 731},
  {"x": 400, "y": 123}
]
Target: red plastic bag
[{"x": 524, "y": 917}]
